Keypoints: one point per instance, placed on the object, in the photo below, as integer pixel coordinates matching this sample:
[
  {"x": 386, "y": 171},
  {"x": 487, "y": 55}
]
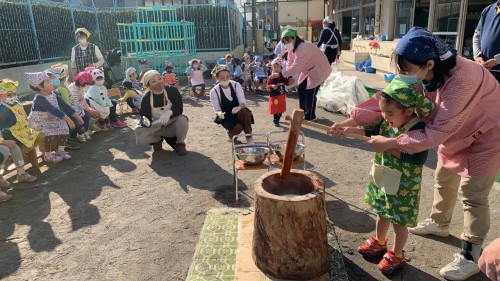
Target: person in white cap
[
  {"x": 131, "y": 75},
  {"x": 162, "y": 104},
  {"x": 85, "y": 54},
  {"x": 330, "y": 41}
]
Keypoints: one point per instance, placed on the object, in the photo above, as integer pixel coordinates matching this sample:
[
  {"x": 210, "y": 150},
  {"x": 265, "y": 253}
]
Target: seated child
[
  {"x": 131, "y": 75},
  {"x": 76, "y": 93},
  {"x": 60, "y": 72},
  {"x": 50, "y": 116},
  {"x": 113, "y": 116},
  {"x": 195, "y": 76},
  {"x": 276, "y": 87},
  {"x": 228, "y": 61},
  {"x": 238, "y": 72},
  {"x": 259, "y": 69},
  {"x": 247, "y": 72},
  {"x": 15, "y": 133},
  {"x": 83, "y": 81},
  {"x": 98, "y": 99},
  {"x": 132, "y": 97},
  {"x": 170, "y": 77},
  {"x": 395, "y": 199}
]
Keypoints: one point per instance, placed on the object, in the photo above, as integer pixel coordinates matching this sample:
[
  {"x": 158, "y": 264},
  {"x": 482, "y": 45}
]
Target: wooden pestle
[
  {"x": 326, "y": 128},
  {"x": 291, "y": 143}
]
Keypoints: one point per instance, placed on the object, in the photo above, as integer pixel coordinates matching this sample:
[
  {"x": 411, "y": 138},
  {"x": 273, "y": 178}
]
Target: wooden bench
[{"x": 29, "y": 155}]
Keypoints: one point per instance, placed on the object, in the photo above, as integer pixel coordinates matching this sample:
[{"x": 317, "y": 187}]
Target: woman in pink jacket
[
  {"x": 312, "y": 64},
  {"x": 466, "y": 127}
]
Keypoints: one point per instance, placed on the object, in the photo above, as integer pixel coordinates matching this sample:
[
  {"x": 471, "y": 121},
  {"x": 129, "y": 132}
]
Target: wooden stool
[
  {"x": 31, "y": 156},
  {"x": 54, "y": 144}
]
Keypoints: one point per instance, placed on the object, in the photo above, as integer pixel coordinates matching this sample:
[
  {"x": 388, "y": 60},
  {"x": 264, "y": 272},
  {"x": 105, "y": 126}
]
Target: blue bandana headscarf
[{"x": 420, "y": 45}]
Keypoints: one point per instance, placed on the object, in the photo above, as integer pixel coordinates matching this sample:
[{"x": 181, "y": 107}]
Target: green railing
[{"x": 36, "y": 31}]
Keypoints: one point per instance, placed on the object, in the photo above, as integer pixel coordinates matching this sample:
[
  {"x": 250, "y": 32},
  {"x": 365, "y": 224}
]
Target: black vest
[
  {"x": 84, "y": 58},
  {"x": 225, "y": 104}
]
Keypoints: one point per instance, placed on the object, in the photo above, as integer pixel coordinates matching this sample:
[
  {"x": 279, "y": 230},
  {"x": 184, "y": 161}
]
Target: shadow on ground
[
  {"x": 408, "y": 272},
  {"x": 167, "y": 164},
  {"x": 31, "y": 203}
]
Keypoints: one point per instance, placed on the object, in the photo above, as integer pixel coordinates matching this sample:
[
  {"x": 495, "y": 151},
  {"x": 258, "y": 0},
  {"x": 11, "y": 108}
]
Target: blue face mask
[
  {"x": 56, "y": 82},
  {"x": 409, "y": 79}
]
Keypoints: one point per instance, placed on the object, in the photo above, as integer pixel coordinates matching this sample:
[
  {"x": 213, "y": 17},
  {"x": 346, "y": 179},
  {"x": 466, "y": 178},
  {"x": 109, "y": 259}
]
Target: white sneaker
[
  {"x": 81, "y": 138},
  {"x": 430, "y": 227},
  {"x": 87, "y": 136},
  {"x": 459, "y": 269},
  {"x": 96, "y": 129}
]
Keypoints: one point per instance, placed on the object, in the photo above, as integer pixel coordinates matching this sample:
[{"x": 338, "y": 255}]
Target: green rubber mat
[{"x": 215, "y": 255}]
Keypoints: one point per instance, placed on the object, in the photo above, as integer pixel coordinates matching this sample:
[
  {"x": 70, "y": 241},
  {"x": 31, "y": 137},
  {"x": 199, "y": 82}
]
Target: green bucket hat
[
  {"x": 289, "y": 33},
  {"x": 408, "y": 96}
]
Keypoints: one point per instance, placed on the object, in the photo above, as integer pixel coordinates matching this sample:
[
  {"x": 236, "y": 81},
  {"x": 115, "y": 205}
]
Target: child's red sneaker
[
  {"x": 390, "y": 262},
  {"x": 371, "y": 248}
]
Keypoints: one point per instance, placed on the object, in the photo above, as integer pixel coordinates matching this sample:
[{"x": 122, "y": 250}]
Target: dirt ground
[{"x": 118, "y": 211}]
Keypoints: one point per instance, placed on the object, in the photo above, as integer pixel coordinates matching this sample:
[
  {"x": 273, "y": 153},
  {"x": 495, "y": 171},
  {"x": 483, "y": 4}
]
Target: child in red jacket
[{"x": 276, "y": 87}]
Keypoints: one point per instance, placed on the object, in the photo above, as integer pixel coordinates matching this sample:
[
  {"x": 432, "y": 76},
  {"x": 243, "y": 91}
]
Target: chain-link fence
[{"x": 36, "y": 31}]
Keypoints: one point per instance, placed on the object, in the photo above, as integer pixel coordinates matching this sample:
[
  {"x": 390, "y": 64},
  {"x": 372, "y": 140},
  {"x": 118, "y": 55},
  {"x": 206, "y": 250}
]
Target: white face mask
[
  {"x": 99, "y": 82},
  {"x": 82, "y": 40},
  {"x": 224, "y": 83},
  {"x": 289, "y": 46},
  {"x": 196, "y": 66}
]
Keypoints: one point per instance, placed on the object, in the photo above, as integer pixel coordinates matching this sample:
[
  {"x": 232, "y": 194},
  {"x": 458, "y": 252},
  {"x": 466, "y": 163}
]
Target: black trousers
[
  {"x": 277, "y": 117},
  {"x": 496, "y": 74},
  {"x": 331, "y": 54},
  {"x": 307, "y": 100}
]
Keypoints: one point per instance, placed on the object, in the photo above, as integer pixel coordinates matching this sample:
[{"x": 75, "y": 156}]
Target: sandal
[
  {"x": 4, "y": 183},
  {"x": 25, "y": 177},
  {"x": 5, "y": 197}
]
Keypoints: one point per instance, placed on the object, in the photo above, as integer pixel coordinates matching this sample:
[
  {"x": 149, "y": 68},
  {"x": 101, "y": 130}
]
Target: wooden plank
[{"x": 291, "y": 143}]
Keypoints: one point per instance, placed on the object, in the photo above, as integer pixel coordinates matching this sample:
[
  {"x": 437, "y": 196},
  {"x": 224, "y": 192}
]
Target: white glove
[
  {"x": 165, "y": 117},
  {"x": 220, "y": 114},
  {"x": 235, "y": 110}
]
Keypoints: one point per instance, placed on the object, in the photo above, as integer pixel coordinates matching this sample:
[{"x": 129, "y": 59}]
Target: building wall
[
  {"x": 17, "y": 73},
  {"x": 291, "y": 13}
]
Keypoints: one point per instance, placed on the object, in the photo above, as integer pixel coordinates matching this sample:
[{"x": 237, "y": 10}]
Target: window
[
  {"x": 369, "y": 24},
  {"x": 447, "y": 15},
  {"x": 403, "y": 19},
  {"x": 447, "y": 18},
  {"x": 342, "y": 4},
  {"x": 354, "y": 23}
]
